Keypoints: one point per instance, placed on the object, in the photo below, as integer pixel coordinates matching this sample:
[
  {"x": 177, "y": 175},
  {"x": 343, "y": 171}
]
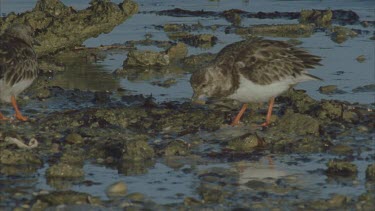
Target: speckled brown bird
[
  {"x": 253, "y": 70},
  {"x": 18, "y": 64}
]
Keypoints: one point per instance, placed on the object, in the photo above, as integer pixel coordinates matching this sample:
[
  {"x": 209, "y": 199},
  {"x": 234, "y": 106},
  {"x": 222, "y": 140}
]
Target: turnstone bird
[
  {"x": 18, "y": 64},
  {"x": 253, "y": 70}
]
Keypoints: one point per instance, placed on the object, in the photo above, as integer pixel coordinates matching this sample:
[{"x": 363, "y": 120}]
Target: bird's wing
[
  {"x": 17, "y": 61},
  {"x": 270, "y": 61}
]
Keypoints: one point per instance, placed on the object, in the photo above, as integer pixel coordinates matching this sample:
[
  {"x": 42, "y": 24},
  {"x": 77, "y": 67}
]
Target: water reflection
[{"x": 85, "y": 75}]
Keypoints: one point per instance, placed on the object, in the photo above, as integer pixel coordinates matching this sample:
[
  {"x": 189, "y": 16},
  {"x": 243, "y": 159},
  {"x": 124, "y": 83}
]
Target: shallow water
[
  {"x": 339, "y": 65},
  {"x": 166, "y": 185}
]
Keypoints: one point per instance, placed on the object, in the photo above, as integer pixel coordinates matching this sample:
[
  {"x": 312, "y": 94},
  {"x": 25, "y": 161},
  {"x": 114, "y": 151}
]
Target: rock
[
  {"x": 102, "y": 97},
  {"x": 136, "y": 197},
  {"x": 299, "y": 100},
  {"x": 370, "y": 172},
  {"x": 167, "y": 83},
  {"x": 199, "y": 40},
  {"x": 117, "y": 189},
  {"x": 73, "y": 157},
  {"x": 64, "y": 170},
  {"x": 171, "y": 27},
  {"x": 280, "y": 30},
  {"x": 350, "y": 116},
  {"x": 177, "y": 51},
  {"x": 131, "y": 167},
  {"x": 295, "y": 123},
  {"x": 60, "y": 27},
  {"x": 74, "y": 138},
  {"x": 189, "y": 201},
  {"x": 138, "y": 58},
  {"x": 19, "y": 157},
  {"x": 330, "y": 89},
  {"x": 341, "y": 168},
  {"x": 318, "y": 17},
  {"x": 337, "y": 201},
  {"x": 365, "y": 88},
  {"x": 212, "y": 193},
  {"x": 330, "y": 109},
  {"x": 233, "y": 16},
  {"x": 366, "y": 201},
  {"x": 41, "y": 202},
  {"x": 246, "y": 143},
  {"x": 43, "y": 93},
  {"x": 340, "y": 34},
  {"x": 177, "y": 148},
  {"x": 361, "y": 58},
  {"x": 137, "y": 150},
  {"x": 341, "y": 149}
]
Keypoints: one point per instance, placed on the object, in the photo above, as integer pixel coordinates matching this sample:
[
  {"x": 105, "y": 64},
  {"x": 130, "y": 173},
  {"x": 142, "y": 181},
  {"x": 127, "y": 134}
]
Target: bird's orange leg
[
  {"x": 18, "y": 114},
  {"x": 269, "y": 112},
  {"x": 2, "y": 117},
  {"x": 236, "y": 120}
]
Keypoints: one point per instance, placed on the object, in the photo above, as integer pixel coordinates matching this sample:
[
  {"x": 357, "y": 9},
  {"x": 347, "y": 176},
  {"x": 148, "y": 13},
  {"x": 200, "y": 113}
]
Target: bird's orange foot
[
  {"x": 265, "y": 124},
  {"x": 2, "y": 117},
  {"x": 235, "y": 123},
  {"x": 20, "y": 117}
]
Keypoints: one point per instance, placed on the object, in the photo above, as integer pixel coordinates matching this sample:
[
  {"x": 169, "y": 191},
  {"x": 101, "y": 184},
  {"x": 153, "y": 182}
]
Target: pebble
[{"x": 117, "y": 189}]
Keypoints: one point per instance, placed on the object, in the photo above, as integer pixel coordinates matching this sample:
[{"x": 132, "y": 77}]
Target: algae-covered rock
[
  {"x": 74, "y": 138},
  {"x": 341, "y": 149},
  {"x": 177, "y": 148},
  {"x": 64, "y": 170},
  {"x": 136, "y": 197},
  {"x": 63, "y": 197},
  {"x": 60, "y": 27},
  {"x": 330, "y": 109},
  {"x": 299, "y": 100},
  {"x": 295, "y": 123},
  {"x": 197, "y": 40},
  {"x": 330, "y": 89},
  {"x": 177, "y": 51},
  {"x": 370, "y": 172},
  {"x": 366, "y": 201},
  {"x": 361, "y": 58},
  {"x": 365, "y": 88},
  {"x": 131, "y": 167},
  {"x": 74, "y": 157},
  {"x": 340, "y": 34},
  {"x": 174, "y": 121},
  {"x": 190, "y": 201},
  {"x": 166, "y": 83},
  {"x": 341, "y": 168},
  {"x": 280, "y": 30},
  {"x": 299, "y": 144},
  {"x": 137, "y": 150},
  {"x": 246, "y": 143},
  {"x": 212, "y": 193},
  {"x": 19, "y": 157},
  {"x": 318, "y": 17},
  {"x": 138, "y": 58},
  {"x": 233, "y": 16}
]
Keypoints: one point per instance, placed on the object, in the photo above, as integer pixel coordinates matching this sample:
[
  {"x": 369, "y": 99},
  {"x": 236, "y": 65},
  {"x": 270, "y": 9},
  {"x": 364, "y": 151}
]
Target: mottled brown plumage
[
  {"x": 253, "y": 70},
  {"x": 18, "y": 63}
]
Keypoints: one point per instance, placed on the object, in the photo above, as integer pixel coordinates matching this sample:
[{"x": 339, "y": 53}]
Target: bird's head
[{"x": 203, "y": 83}]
